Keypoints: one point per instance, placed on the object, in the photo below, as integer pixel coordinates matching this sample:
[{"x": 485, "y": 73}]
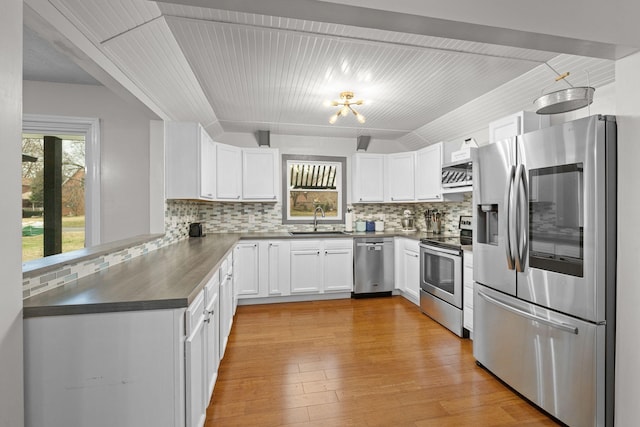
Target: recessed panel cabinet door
[
  {"x": 368, "y": 177},
  {"x": 260, "y": 174},
  {"x": 306, "y": 269},
  {"x": 195, "y": 363},
  {"x": 411, "y": 259},
  {"x": 207, "y": 166},
  {"x": 278, "y": 265},
  {"x": 212, "y": 332},
  {"x": 338, "y": 269},
  {"x": 246, "y": 276},
  {"x": 400, "y": 176},
  {"x": 429, "y": 173},
  {"x": 228, "y": 172}
]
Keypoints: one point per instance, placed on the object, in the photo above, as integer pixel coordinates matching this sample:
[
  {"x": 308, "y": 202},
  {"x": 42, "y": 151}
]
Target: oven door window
[
  {"x": 556, "y": 215},
  {"x": 438, "y": 271}
]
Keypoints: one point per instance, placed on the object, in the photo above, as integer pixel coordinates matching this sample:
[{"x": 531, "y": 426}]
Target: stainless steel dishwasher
[{"x": 373, "y": 272}]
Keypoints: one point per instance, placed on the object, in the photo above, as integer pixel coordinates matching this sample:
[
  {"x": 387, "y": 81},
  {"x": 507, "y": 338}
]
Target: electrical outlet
[{"x": 252, "y": 219}]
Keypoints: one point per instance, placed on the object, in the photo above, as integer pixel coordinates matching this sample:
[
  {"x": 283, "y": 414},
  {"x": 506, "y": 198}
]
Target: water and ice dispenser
[{"x": 487, "y": 227}]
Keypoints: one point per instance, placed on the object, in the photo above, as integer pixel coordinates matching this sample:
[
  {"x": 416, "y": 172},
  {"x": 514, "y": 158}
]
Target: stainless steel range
[{"x": 441, "y": 277}]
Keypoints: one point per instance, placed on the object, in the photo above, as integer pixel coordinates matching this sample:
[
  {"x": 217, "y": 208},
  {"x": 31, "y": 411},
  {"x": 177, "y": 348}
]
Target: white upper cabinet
[
  {"x": 207, "y": 166},
  {"x": 228, "y": 172},
  {"x": 367, "y": 182},
  {"x": 428, "y": 173},
  {"x": 400, "y": 177},
  {"x": 260, "y": 174},
  {"x": 190, "y": 159},
  {"x": 516, "y": 124}
]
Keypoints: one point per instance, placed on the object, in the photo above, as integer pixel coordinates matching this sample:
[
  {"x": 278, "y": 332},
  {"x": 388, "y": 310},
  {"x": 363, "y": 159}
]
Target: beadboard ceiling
[{"x": 242, "y": 72}]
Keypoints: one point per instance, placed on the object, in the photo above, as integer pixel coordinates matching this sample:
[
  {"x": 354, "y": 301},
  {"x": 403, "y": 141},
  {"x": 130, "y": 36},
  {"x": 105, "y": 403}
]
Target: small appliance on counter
[
  {"x": 407, "y": 221},
  {"x": 196, "y": 229}
]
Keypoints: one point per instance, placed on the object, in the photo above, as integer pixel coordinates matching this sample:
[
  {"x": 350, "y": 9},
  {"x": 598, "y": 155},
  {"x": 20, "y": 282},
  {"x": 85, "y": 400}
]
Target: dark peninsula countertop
[{"x": 169, "y": 277}]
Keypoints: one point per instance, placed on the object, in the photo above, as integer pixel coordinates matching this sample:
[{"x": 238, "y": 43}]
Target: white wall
[
  {"x": 628, "y": 300},
  {"x": 124, "y": 149},
  {"x": 11, "y": 377}
]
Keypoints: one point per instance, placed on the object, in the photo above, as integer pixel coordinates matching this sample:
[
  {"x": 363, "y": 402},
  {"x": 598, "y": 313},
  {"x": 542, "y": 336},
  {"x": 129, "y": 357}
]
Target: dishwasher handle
[{"x": 372, "y": 244}]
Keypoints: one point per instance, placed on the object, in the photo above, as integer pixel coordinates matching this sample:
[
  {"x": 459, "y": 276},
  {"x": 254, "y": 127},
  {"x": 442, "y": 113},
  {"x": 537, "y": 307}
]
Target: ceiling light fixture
[{"x": 346, "y": 107}]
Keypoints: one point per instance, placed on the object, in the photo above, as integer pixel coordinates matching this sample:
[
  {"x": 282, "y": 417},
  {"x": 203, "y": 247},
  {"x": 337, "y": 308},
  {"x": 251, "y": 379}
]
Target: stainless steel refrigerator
[{"x": 544, "y": 255}]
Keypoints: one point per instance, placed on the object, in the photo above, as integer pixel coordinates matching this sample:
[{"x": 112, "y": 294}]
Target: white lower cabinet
[
  {"x": 128, "y": 368},
  {"x": 212, "y": 331},
  {"x": 195, "y": 363},
  {"x": 306, "y": 266},
  {"x": 246, "y": 278},
  {"x": 123, "y": 369},
  {"x": 276, "y": 268},
  {"x": 319, "y": 266},
  {"x": 407, "y": 268},
  {"x": 227, "y": 303},
  {"x": 467, "y": 295},
  {"x": 337, "y": 266},
  {"x": 261, "y": 268}
]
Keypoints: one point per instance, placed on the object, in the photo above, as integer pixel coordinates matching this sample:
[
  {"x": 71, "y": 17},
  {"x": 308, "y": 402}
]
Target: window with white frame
[{"x": 60, "y": 184}]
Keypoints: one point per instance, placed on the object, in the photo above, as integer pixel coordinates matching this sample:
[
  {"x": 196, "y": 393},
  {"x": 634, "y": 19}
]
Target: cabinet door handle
[{"x": 318, "y": 252}]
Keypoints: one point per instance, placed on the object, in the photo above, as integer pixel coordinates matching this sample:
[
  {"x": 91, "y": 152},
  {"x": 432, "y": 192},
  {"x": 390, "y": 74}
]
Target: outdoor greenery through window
[
  {"x": 313, "y": 182},
  {"x": 55, "y": 192}
]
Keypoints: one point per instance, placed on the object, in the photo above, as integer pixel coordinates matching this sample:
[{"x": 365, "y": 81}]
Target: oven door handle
[
  {"x": 557, "y": 325},
  {"x": 439, "y": 251}
]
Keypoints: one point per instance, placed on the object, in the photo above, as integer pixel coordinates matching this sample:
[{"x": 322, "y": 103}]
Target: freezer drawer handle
[{"x": 562, "y": 326}]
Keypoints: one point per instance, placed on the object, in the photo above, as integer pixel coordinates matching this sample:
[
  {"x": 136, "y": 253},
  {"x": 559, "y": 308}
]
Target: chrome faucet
[{"x": 315, "y": 217}]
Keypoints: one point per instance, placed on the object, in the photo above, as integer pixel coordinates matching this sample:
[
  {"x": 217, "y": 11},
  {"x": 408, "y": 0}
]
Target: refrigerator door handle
[
  {"x": 508, "y": 199},
  {"x": 521, "y": 215},
  {"x": 557, "y": 325}
]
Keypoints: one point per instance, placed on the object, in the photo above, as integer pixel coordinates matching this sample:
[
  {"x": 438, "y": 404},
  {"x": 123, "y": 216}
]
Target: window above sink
[{"x": 310, "y": 182}]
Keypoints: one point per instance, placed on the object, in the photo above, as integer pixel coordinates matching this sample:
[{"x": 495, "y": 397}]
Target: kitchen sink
[{"x": 318, "y": 233}]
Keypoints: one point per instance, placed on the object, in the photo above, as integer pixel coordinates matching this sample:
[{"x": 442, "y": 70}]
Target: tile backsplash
[
  {"x": 177, "y": 216},
  {"x": 221, "y": 217}
]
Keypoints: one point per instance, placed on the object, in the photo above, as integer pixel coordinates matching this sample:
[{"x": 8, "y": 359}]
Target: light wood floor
[{"x": 366, "y": 362}]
